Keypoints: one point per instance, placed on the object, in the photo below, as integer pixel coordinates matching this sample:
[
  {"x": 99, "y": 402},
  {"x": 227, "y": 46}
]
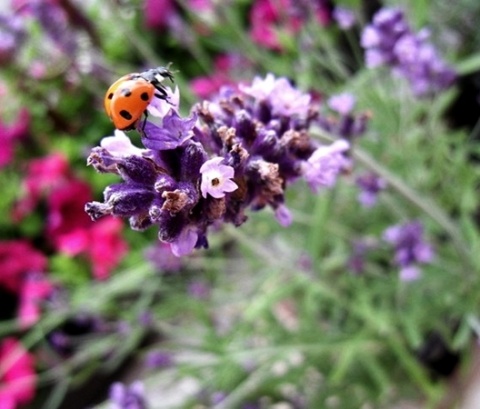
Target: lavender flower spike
[{"x": 238, "y": 151}]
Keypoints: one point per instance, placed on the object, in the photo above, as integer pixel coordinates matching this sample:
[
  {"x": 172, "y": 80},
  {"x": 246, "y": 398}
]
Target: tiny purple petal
[
  {"x": 173, "y": 132},
  {"x": 185, "y": 243},
  {"x": 342, "y": 103},
  {"x": 324, "y": 165},
  {"x": 410, "y": 273},
  {"x": 283, "y": 215},
  {"x": 120, "y": 145}
]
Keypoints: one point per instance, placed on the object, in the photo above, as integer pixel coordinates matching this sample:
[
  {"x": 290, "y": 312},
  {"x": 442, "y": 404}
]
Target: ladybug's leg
[{"x": 144, "y": 122}]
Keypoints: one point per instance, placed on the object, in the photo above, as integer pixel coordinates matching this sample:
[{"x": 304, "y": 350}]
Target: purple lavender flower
[
  {"x": 127, "y": 397},
  {"x": 325, "y": 164},
  {"x": 160, "y": 255},
  {"x": 280, "y": 94},
  {"x": 410, "y": 248},
  {"x": 237, "y": 151},
  {"x": 344, "y": 17},
  {"x": 158, "y": 359},
  {"x": 54, "y": 21},
  {"x": 370, "y": 186},
  {"x": 344, "y": 123},
  {"x": 342, "y": 103},
  {"x": 389, "y": 41},
  {"x": 199, "y": 289}
]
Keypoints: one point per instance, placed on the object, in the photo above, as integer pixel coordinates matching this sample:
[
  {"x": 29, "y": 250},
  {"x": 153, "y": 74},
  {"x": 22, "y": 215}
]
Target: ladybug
[{"x": 127, "y": 98}]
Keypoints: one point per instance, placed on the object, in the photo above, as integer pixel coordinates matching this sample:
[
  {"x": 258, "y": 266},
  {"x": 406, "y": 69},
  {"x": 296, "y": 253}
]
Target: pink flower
[
  {"x": 68, "y": 227},
  {"x": 216, "y": 178},
  {"x": 107, "y": 246},
  {"x": 17, "y": 374},
  {"x": 267, "y": 17},
  {"x": 158, "y": 12},
  {"x": 66, "y": 210},
  {"x": 11, "y": 134},
  {"x": 35, "y": 288},
  {"x": 17, "y": 259},
  {"x": 101, "y": 242},
  {"x": 43, "y": 175},
  {"x": 227, "y": 69}
]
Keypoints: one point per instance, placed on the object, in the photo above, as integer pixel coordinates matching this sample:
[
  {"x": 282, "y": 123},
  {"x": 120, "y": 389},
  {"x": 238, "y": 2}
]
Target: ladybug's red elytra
[{"x": 127, "y": 98}]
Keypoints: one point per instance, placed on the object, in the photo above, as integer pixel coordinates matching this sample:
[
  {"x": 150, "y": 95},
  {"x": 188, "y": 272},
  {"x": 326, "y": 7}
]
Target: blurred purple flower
[
  {"x": 283, "y": 215},
  {"x": 342, "y": 103},
  {"x": 160, "y": 255},
  {"x": 389, "y": 41},
  {"x": 12, "y": 36},
  {"x": 344, "y": 17},
  {"x": 127, "y": 397},
  {"x": 370, "y": 186},
  {"x": 159, "y": 359},
  {"x": 199, "y": 289},
  {"x": 410, "y": 248},
  {"x": 325, "y": 164},
  {"x": 345, "y": 124}
]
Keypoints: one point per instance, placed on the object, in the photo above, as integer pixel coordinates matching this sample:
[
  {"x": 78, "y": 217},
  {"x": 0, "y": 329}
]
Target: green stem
[{"x": 423, "y": 203}]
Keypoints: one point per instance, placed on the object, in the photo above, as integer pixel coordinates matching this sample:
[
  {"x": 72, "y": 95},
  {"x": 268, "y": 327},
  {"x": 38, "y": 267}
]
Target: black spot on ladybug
[
  {"x": 144, "y": 96},
  {"x": 126, "y": 92},
  {"x": 110, "y": 96},
  {"x": 125, "y": 114}
]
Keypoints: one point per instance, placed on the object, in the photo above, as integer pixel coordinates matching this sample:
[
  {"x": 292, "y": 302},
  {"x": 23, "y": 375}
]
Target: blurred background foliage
[{"x": 267, "y": 316}]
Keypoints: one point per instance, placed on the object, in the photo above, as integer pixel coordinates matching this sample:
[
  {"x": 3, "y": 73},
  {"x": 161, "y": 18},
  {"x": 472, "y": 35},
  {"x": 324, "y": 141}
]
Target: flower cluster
[
  {"x": 17, "y": 374},
  {"x": 240, "y": 150},
  {"x": 51, "y": 182},
  {"x": 410, "y": 248},
  {"x": 390, "y": 41}
]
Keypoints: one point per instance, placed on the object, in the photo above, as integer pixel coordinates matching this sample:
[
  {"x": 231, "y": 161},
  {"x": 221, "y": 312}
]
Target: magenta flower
[
  {"x": 325, "y": 164},
  {"x": 101, "y": 242},
  {"x": 216, "y": 178},
  {"x": 18, "y": 258},
  {"x": 17, "y": 374},
  {"x": 10, "y": 135},
  {"x": 36, "y": 287},
  {"x": 226, "y": 68},
  {"x": 43, "y": 175},
  {"x": 268, "y": 17}
]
